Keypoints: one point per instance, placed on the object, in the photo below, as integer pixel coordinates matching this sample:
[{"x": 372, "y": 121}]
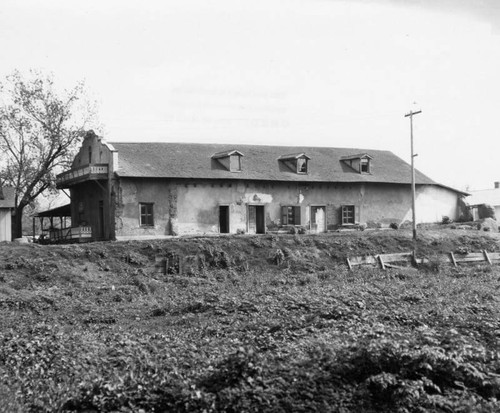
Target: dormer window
[
  {"x": 297, "y": 163},
  {"x": 364, "y": 166},
  {"x": 302, "y": 165},
  {"x": 361, "y": 163},
  {"x": 230, "y": 160}
]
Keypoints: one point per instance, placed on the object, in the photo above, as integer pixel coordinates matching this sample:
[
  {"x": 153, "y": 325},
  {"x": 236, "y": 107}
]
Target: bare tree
[{"x": 40, "y": 130}]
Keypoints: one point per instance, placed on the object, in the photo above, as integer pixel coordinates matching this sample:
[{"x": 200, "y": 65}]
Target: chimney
[{"x": 497, "y": 185}]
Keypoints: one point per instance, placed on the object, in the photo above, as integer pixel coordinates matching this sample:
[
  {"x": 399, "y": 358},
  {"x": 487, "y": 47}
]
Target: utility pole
[{"x": 413, "y": 214}]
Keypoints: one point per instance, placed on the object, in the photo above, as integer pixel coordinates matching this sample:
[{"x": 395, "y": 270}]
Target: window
[
  {"x": 348, "y": 214},
  {"x": 90, "y": 155},
  {"x": 146, "y": 215},
  {"x": 302, "y": 165},
  {"x": 235, "y": 163},
  {"x": 290, "y": 215},
  {"x": 365, "y": 166},
  {"x": 296, "y": 162},
  {"x": 361, "y": 163}
]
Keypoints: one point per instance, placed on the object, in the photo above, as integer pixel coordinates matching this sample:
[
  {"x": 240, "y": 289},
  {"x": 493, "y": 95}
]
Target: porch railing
[
  {"x": 70, "y": 234},
  {"x": 99, "y": 171}
]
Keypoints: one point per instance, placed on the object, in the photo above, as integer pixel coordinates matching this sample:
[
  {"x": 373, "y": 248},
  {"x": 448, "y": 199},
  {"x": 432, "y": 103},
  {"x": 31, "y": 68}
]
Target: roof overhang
[
  {"x": 62, "y": 211},
  {"x": 356, "y": 156},
  {"x": 293, "y": 156},
  {"x": 225, "y": 154}
]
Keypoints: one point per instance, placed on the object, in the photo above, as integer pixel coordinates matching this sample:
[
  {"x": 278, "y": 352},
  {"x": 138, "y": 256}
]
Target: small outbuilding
[
  {"x": 7, "y": 204},
  {"x": 480, "y": 200}
]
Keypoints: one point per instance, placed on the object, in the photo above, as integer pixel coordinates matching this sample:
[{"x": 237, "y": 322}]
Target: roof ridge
[{"x": 234, "y": 146}]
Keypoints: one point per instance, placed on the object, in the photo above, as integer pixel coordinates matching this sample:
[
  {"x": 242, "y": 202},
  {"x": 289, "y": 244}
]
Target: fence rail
[{"x": 399, "y": 259}]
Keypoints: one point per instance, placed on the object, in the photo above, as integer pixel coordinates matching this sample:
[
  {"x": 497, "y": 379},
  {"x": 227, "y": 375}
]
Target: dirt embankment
[{"x": 241, "y": 253}]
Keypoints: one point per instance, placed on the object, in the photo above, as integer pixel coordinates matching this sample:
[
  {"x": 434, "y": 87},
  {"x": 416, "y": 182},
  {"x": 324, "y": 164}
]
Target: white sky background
[{"x": 291, "y": 72}]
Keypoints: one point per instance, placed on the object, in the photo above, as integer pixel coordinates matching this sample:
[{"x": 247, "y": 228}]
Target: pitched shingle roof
[
  {"x": 7, "y": 197},
  {"x": 194, "y": 160}
]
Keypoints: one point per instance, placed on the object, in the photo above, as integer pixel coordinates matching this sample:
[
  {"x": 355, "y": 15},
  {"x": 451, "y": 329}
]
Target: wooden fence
[{"x": 399, "y": 260}]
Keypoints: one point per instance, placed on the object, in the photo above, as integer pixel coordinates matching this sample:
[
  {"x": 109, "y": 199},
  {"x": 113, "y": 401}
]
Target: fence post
[
  {"x": 382, "y": 264},
  {"x": 486, "y": 256},
  {"x": 454, "y": 262}
]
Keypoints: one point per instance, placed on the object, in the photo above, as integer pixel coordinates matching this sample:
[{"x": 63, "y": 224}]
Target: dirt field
[{"x": 100, "y": 327}]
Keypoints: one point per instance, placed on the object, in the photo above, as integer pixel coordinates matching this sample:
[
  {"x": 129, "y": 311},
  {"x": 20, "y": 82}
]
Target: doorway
[
  {"x": 318, "y": 219},
  {"x": 101, "y": 220},
  {"x": 224, "y": 219},
  {"x": 256, "y": 219}
]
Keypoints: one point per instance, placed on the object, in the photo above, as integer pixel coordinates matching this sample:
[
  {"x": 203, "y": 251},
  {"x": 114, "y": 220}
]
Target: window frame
[
  {"x": 235, "y": 163},
  {"x": 304, "y": 165},
  {"x": 364, "y": 162},
  {"x": 292, "y": 211},
  {"x": 143, "y": 216},
  {"x": 348, "y": 214}
]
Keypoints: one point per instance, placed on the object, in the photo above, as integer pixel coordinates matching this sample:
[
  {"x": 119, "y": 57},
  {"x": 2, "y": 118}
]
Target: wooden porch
[{"x": 59, "y": 229}]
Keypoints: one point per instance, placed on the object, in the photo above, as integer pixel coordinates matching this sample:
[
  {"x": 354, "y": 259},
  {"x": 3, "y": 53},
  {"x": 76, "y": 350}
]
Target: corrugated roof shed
[
  {"x": 7, "y": 198},
  {"x": 193, "y": 160}
]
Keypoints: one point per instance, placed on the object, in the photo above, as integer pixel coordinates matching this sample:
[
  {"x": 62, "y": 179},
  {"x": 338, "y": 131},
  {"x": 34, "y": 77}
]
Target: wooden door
[
  {"x": 256, "y": 219},
  {"x": 318, "y": 219}
]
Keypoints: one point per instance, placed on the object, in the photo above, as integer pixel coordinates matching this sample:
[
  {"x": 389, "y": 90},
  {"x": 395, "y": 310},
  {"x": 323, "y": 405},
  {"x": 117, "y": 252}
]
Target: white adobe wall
[{"x": 433, "y": 203}]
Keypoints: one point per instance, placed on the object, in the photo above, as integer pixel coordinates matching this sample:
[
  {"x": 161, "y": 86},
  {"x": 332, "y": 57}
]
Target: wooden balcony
[{"x": 78, "y": 175}]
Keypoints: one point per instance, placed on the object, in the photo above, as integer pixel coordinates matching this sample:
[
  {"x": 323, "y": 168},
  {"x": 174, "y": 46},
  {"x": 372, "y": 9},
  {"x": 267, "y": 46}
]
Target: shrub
[
  {"x": 446, "y": 220},
  {"x": 486, "y": 211},
  {"x": 279, "y": 257},
  {"x": 393, "y": 225}
]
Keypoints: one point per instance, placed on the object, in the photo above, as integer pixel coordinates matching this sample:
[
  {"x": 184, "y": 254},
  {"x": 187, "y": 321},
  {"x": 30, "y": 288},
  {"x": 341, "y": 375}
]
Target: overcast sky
[{"x": 282, "y": 72}]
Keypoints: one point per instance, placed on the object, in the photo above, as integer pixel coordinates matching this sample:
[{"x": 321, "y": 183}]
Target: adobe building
[{"x": 145, "y": 190}]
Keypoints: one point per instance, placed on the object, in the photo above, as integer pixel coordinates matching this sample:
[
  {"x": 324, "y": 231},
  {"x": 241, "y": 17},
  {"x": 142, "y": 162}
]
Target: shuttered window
[
  {"x": 290, "y": 215},
  {"x": 146, "y": 215}
]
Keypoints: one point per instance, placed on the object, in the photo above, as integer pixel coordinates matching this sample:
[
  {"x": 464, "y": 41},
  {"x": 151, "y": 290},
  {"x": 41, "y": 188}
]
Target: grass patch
[{"x": 270, "y": 338}]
